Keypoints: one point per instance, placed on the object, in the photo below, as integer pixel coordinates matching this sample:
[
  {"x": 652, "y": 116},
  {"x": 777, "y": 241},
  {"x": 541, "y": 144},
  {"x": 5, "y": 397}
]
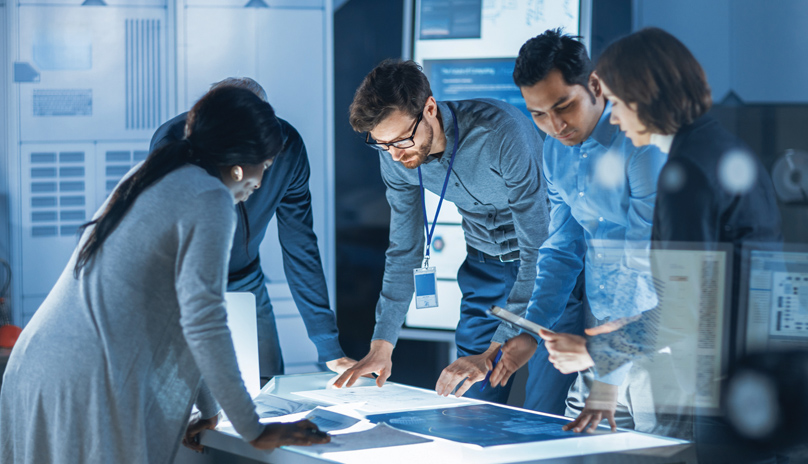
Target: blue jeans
[
  {"x": 484, "y": 282},
  {"x": 270, "y": 358}
]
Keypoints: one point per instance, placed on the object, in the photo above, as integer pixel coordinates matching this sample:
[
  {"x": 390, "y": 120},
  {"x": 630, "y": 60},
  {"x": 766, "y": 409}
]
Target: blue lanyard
[{"x": 430, "y": 232}]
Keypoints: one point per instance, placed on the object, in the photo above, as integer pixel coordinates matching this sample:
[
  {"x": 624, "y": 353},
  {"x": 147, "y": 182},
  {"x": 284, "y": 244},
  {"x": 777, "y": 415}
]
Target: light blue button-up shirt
[{"x": 602, "y": 195}]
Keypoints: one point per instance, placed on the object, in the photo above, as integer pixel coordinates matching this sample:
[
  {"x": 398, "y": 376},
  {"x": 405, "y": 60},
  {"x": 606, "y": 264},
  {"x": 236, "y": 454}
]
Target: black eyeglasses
[{"x": 408, "y": 142}]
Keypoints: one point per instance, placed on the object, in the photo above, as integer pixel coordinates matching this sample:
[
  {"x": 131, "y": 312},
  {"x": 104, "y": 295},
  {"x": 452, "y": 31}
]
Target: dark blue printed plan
[{"x": 480, "y": 424}]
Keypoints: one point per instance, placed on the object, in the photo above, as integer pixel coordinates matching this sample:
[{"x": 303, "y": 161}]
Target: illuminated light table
[{"x": 622, "y": 447}]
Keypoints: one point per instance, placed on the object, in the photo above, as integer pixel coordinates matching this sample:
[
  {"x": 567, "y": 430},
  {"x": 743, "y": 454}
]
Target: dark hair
[
  {"x": 226, "y": 127},
  {"x": 654, "y": 70},
  {"x": 392, "y": 85},
  {"x": 553, "y": 50}
]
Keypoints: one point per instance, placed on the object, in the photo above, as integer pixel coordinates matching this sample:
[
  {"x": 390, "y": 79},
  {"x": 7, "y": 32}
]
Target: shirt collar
[
  {"x": 604, "y": 130},
  {"x": 664, "y": 142}
]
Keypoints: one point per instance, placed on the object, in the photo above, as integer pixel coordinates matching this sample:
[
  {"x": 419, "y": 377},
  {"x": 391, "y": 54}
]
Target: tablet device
[{"x": 518, "y": 321}]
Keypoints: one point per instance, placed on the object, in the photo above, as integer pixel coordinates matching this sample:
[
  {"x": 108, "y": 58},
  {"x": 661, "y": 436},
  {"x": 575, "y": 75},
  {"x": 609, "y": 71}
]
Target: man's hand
[
  {"x": 340, "y": 365},
  {"x": 302, "y": 433},
  {"x": 195, "y": 426},
  {"x": 379, "y": 360},
  {"x": 516, "y": 352},
  {"x": 600, "y": 404},
  {"x": 472, "y": 369},
  {"x": 567, "y": 352}
]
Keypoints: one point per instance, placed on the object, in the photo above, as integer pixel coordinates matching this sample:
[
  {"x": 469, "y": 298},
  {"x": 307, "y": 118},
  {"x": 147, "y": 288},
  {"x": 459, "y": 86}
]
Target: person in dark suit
[{"x": 285, "y": 196}]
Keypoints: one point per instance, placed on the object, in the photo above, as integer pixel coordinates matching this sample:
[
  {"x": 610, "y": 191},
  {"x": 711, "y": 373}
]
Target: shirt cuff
[
  {"x": 329, "y": 350},
  {"x": 387, "y": 332},
  {"x": 205, "y": 402}
]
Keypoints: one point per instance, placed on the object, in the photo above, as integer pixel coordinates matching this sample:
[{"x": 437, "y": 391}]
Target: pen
[{"x": 493, "y": 366}]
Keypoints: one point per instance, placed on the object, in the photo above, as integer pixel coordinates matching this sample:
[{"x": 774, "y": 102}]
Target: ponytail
[{"x": 226, "y": 127}]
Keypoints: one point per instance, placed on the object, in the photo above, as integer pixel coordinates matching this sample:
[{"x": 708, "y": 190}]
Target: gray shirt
[
  {"x": 120, "y": 352},
  {"x": 498, "y": 189}
]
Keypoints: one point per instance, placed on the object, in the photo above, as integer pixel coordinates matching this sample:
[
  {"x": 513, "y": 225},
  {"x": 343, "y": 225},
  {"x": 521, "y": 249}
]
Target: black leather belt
[{"x": 506, "y": 258}]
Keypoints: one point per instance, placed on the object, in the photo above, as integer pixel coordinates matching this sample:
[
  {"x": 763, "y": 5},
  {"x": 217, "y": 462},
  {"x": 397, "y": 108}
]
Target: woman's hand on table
[{"x": 301, "y": 433}]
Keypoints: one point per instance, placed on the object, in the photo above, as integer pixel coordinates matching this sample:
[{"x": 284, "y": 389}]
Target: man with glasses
[{"x": 484, "y": 156}]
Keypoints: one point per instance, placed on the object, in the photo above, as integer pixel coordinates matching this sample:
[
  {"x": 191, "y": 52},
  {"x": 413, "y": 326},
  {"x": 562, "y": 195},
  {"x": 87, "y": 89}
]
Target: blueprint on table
[{"x": 481, "y": 424}]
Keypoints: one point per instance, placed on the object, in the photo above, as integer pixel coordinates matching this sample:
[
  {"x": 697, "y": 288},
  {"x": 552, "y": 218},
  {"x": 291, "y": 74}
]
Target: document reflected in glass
[{"x": 689, "y": 353}]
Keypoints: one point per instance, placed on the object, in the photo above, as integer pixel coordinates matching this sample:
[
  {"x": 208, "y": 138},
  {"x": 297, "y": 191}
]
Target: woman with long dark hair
[{"x": 111, "y": 364}]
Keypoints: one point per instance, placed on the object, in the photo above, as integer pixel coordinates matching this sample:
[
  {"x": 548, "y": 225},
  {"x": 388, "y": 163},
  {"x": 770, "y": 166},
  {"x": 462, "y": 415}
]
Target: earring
[{"x": 237, "y": 173}]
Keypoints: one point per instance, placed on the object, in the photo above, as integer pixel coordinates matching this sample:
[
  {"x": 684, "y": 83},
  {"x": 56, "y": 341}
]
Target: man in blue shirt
[
  {"x": 285, "y": 195},
  {"x": 602, "y": 191},
  {"x": 485, "y": 155}
]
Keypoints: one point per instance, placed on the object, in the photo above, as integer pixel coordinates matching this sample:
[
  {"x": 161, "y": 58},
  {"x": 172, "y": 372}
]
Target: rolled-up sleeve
[{"x": 561, "y": 260}]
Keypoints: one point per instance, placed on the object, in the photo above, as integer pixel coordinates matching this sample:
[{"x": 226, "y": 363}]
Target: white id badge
[{"x": 426, "y": 288}]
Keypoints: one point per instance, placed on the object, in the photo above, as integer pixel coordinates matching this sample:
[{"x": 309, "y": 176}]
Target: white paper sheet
[
  {"x": 328, "y": 421},
  {"x": 390, "y": 397},
  {"x": 267, "y": 405},
  {"x": 380, "y": 436}
]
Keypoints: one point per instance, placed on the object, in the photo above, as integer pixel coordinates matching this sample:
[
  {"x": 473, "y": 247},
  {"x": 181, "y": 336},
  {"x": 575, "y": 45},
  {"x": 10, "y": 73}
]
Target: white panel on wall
[
  {"x": 448, "y": 250},
  {"x": 91, "y": 73},
  {"x": 448, "y": 210},
  {"x": 704, "y": 27},
  {"x": 113, "y": 161},
  {"x": 294, "y": 78},
  {"x": 5, "y": 220},
  {"x": 219, "y": 43},
  {"x": 284, "y": 48},
  {"x": 29, "y": 306},
  {"x": 58, "y": 195}
]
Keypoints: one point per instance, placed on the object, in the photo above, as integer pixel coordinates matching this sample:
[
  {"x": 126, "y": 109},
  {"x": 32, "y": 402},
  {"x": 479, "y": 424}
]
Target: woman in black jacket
[{"x": 712, "y": 190}]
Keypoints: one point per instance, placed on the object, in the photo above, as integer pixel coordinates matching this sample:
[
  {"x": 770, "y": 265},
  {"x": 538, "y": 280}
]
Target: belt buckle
[{"x": 508, "y": 257}]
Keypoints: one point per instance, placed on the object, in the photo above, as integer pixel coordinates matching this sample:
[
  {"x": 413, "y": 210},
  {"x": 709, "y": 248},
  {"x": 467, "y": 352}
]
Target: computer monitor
[
  {"x": 774, "y": 298},
  {"x": 244, "y": 332}
]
